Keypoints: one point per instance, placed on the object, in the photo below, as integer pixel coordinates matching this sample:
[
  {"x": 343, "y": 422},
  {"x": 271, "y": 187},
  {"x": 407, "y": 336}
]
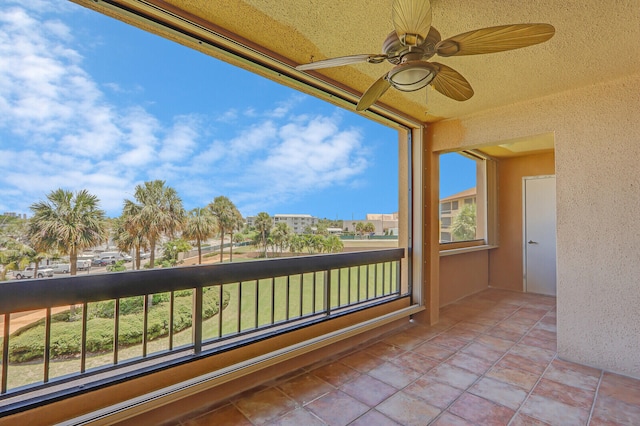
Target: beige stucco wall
[
  {"x": 597, "y": 136},
  {"x": 462, "y": 275},
  {"x": 506, "y": 264}
]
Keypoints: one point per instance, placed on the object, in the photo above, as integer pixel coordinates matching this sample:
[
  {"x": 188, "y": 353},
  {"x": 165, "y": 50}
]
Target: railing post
[
  {"x": 315, "y": 290},
  {"x": 384, "y": 279},
  {"x": 47, "y": 344},
  {"x": 399, "y": 278},
  {"x": 197, "y": 319},
  {"x": 287, "y": 296},
  {"x": 116, "y": 330},
  {"x": 146, "y": 303},
  {"x": 339, "y": 302},
  {"x": 5, "y": 353},
  {"x": 220, "y": 296},
  {"x": 83, "y": 344},
  {"x": 327, "y": 291},
  {"x": 239, "y": 307},
  {"x": 273, "y": 300},
  {"x": 257, "y": 304},
  {"x": 171, "y": 315}
]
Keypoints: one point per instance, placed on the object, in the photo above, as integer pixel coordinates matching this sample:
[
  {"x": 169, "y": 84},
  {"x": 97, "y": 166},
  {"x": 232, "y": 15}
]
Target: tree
[
  {"x": 171, "y": 250},
  {"x": 229, "y": 219},
  {"x": 68, "y": 223},
  {"x": 263, "y": 224},
  {"x": 236, "y": 224},
  {"x": 369, "y": 228},
  {"x": 119, "y": 266},
  {"x": 201, "y": 224},
  {"x": 34, "y": 256},
  {"x": 280, "y": 234},
  {"x": 313, "y": 243},
  {"x": 296, "y": 243},
  {"x": 322, "y": 229},
  {"x": 333, "y": 244},
  {"x": 239, "y": 238},
  {"x": 13, "y": 256},
  {"x": 364, "y": 228},
  {"x": 126, "y": 237},
  {"x": 328, "y": 223},
  {"x": 157, "y": 211},
  {"x": 464, "y": 224}
]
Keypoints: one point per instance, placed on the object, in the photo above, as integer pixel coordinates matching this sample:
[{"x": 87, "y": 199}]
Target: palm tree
[
  {"x": 201, "y": 224},
  {"x": 35, "y": 256},
  {"x": 296, "y": 243},
  {"x": 157, "y": 211},
  {"x": 127, "y": 238},
  {"x": 67, "y": 223},
  {"x": 281, "y": 233},
  {"x": 263, "y": 224},
  {"x": 333, "y": 244},
  {"x": 236, "y": 223},
  {"x": 229, "y": 219}
]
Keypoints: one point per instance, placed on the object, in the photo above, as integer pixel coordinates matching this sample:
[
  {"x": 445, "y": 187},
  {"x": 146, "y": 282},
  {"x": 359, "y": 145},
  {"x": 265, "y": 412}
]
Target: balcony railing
[{"x": 228, "y": 305}]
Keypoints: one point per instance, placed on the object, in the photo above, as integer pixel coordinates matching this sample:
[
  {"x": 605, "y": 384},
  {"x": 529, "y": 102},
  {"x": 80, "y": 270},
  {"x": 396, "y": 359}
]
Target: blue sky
[{"x": 87, "y": 102}]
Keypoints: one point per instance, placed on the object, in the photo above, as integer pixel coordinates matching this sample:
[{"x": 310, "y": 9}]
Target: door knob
[{"x": 533, "y": 242}]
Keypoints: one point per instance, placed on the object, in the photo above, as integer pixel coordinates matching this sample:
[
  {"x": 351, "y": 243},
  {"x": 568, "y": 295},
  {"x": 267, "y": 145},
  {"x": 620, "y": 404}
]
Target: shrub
[{"x": 27, "y": 343}]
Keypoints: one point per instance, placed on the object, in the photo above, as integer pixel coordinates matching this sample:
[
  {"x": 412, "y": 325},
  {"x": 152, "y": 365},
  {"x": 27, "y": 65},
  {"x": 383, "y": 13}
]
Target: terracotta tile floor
[{"x": 490, "y": 361}]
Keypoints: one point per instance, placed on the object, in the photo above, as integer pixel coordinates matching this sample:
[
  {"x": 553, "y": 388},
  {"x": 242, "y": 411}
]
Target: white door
[{"x": 540, "y": 234}]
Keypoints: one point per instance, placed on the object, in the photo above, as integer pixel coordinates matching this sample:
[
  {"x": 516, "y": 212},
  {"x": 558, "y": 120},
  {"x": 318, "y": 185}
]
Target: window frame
[{"x": 486, "y": 205}]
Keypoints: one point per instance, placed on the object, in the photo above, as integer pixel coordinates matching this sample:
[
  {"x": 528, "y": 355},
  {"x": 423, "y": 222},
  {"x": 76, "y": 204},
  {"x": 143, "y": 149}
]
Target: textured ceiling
[{"x": 595, "y": 41}]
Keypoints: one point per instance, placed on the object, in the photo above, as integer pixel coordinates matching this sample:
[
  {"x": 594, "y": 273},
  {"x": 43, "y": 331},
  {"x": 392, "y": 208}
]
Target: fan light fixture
[{"x": 412, "y": 75}]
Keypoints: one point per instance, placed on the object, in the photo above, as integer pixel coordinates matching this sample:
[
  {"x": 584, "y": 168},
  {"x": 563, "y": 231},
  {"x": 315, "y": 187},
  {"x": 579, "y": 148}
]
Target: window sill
[{"x": 463, "y": 250}]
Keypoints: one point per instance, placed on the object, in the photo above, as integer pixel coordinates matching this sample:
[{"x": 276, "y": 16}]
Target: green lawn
[{"x": 248, "y": 301}]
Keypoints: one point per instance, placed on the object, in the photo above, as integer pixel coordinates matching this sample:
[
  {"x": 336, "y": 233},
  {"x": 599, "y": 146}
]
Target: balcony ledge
[{"x": 464, "y": 250}]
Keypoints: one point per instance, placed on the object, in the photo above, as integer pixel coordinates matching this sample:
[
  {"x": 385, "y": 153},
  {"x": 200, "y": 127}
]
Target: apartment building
[
  {"x": 385, "y": 223},
  {"x": 297, "y": 222},
  {"x": 450, "y": 207}
]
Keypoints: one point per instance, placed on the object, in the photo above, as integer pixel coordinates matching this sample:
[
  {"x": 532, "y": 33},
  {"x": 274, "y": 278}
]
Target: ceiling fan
[{"x": 414, "y": 41}]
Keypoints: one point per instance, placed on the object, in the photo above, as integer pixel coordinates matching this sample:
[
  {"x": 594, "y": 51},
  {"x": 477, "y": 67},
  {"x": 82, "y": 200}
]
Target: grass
[{"x": 250, "y": 302}]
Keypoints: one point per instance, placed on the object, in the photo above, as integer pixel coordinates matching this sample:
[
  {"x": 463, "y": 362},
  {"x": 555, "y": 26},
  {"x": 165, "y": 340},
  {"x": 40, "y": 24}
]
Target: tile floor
[{"x": 490, "y": 361}]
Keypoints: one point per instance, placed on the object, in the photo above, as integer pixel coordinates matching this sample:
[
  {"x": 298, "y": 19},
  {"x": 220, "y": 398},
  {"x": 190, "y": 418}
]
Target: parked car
[
  {"x": 28, "y": 273},
  {"x": 83, "y": 264},
  {"x": 114, "y": 256},
  {"x": 100, "y": 262},
  {"x": 61, "y": 268}
]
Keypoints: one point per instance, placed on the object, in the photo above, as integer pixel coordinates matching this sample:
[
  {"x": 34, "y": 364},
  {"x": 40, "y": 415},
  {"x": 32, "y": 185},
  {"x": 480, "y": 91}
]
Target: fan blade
[
  {"x": 411, "y": 20},
  {"x": 451, "y": 83},
  {"x": 342, "y": 60},
  {"x": 373, "y": 93},
  {"x": 495, "y": 39}
]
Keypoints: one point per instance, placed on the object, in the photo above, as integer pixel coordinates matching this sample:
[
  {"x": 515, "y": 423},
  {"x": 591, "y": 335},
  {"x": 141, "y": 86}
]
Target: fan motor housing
[{"x": 393, "y": 47}]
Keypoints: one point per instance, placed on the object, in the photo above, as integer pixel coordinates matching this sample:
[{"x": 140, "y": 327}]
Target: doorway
[{"x": 539, "y": 209}]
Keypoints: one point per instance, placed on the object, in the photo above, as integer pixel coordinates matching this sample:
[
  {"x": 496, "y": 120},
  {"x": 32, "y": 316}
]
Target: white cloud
[
  {"x": 307, "y": 156},
  {"x": 255, "y": 138},
  {"x": 59, "y": 129},
  {"x": 229, "y": 116},
  {"x": 181, "y": 140}
]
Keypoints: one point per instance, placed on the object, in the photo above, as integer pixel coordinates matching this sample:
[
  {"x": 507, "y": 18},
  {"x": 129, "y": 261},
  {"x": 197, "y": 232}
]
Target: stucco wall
[
  {"x": 462, "y": 275},
  {"x": 506, "y": 262},
  {"x": 597, "y": 136}
]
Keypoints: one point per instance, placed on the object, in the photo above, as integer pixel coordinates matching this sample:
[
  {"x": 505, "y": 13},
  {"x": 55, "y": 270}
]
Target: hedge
[{"x": 27, "y": 343}]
